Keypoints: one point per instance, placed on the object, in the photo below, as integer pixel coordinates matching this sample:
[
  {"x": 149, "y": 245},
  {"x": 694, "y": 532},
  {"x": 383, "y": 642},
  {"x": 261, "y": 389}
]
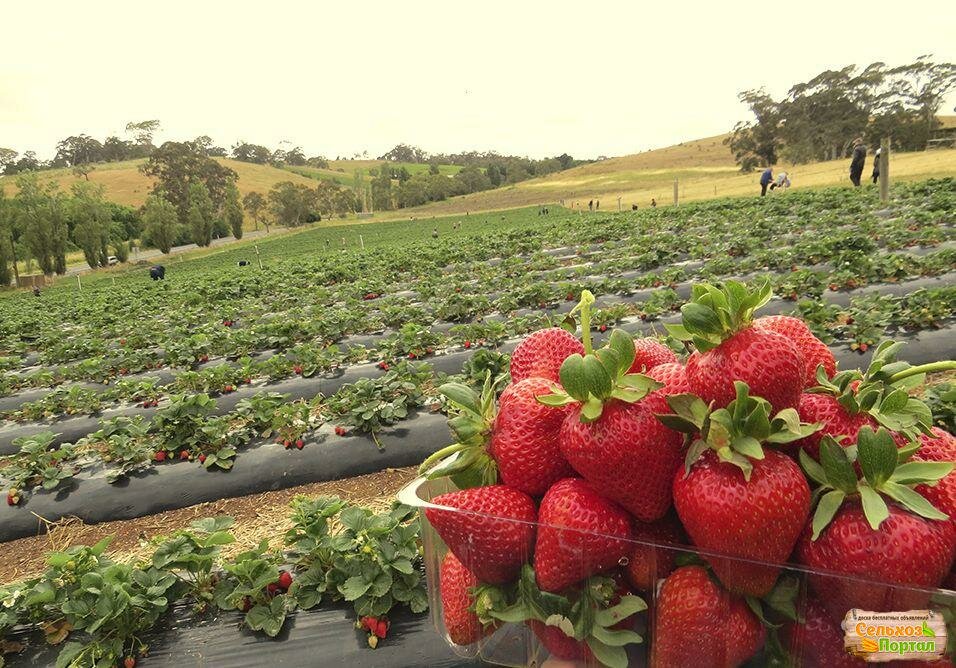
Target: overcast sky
[{"x": 338, "y": 77}]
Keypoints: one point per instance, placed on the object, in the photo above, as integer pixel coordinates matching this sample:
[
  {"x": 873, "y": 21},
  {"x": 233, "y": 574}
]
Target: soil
[{"x": 257, "y": 516}]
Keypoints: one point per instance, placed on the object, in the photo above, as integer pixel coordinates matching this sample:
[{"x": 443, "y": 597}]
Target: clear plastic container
[{"x": 515, "y": 644}]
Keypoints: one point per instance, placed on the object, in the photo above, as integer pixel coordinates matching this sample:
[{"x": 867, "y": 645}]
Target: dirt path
[{"x": 257, "y": 516}]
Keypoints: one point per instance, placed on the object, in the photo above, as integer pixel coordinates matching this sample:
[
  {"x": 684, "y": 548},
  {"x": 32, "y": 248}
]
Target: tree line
[{"x": 818, "y": 119}]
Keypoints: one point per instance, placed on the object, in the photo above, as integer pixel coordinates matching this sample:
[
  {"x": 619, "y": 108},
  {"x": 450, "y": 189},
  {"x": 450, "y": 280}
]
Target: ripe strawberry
[
  {"x": 730, "y": 348},
  {"x": 674, "y": 377},
  {"x": 297, "y": 369},
  {"x": 815, "y": 352},
  {"x": 580, "y": 533},
  {"x": 340, "y": 430},
  {"x": 906, "y": 550},
  {"x": 467, "y": 345},
  {"x": 691, "y": 607},
  {"x": 647, "y": 564},
  {"x": 159, "y": 456},
  {"x": 760, "y": 519},
  {"x": 627, "y": 454},
  {"x": 492, "y": 531},
  {"x": 602, "y": 328},
  {"x": 903, "y": 542},
  {"x": 299, "y": 443},
  {"x": 202, "y": 459},
  {"x": 736, "y": 497},
  {"x": 560, "y": 645},
  {"x": 524, "y": 439},
  {"x": 541, "y": 354},
  {"x": 246, "y": 604},
  {"x": 818, "y": 640},
  {"x": 184, "y": 454},
  {"x": 457, "y": 600},
  {"x": 129, "y": 662},
  {"x": 650, "y": 353},
  {"x": 285, "y": 579},
  {"x": 287, "y": 443}
]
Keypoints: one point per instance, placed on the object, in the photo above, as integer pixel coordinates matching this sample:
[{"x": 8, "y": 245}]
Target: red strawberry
[
  {"x": 730, "y": 348},
  {"x": 940, "y": 446},
  {"x": 770, "y": 364},
  {"x": 627, "y": 454},
  {"x": 815, "y": 352},
  {"x": 299, "y": 443},
  {"x": 580, "y": 533},
  {"x": 542, "y": 353},
  {"x": 467, "y": 345},
  {"x": 461, "y": 623},
  {"x": 560, "y": 645},
  {"x": 285, "y": 579},
  {"x": 906, "y": 550},
  {"x": 13, "y": 497},
  {"x": 340, "y": 430},
  {"x": 524, "y": 440},
  {"x": 246, "y": 604},
  {"x": 736, "y": 497},
  {"x": 691, "y": 607},
  {"x": 184, "y": 454},
  {"x": 647, "y": 563},
  {"x": 760, "y": 519},
  {"x": 650, "y": 353},
  {"x": 129, "y": 662},
  {"x": 491, "y": 532},
  {"x": 159, "y": 456},
  {"x": 818, "y": 641},
  {"x": 287, "y": 443},
  {"x": 297, "y": 369},
  {"x": 674, "y": 377},
  {"x": 202, "y": 459},
  {"x": 273, "y": 589},
  {"x": 837, "y": 422}
]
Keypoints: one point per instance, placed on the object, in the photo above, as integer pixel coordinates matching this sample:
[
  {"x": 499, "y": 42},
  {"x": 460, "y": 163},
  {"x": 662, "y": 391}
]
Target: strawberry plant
[
  {"x": 372, "y": 561},
  {"x": 250, "y": 585},
  {"x": 36, "y": 465},
  {"x": 178, "y": 424},
  {"x": 192, "y": 555}
]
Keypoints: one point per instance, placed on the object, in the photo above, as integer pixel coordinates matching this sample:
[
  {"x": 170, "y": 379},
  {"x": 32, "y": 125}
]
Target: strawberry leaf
[
  {"x": 612, "y": 657},
  {"x": 839, "y": 471},
  {"x": 912, "y": 473},
  {"x": 826, "y": 509},
  {"x": 874, "y": 507},
  {"x": 913, "y": 501},
  {"x": 627, "y": 606},
  {"x": 877, "y": 455},
  {"x": 573, "y": 377},
  {"x": 813, "y": 468}
]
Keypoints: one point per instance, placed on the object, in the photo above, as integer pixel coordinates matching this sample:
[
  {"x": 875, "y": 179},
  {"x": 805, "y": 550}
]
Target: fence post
[
  {"x": 675, "y": 192},
  {"x": 885, "y": 170},
  {"x": 256, "y": 246},
  {"x": 79, "y": 286},
  {"x": 619, "y": 204},
  {"x": 362, "y": 242}
]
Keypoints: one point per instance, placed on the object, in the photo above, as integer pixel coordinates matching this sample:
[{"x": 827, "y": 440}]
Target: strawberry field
[{"x": 350, "y": 349}]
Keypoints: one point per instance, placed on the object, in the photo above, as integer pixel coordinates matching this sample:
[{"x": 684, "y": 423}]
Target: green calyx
[
  {"x": 886, "y": 473},
  {"x": 714, "y": 314},
  {"x": 882, "y": 391},
  {"x": 474, "y": 415},
  {"x": 597, "y": 377},
  {"x": 586, "y": 615},
  {"x": 736, "y": 433}
]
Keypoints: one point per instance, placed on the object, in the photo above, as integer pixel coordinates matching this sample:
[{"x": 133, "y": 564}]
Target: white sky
[{"x": 520, "y": 77}]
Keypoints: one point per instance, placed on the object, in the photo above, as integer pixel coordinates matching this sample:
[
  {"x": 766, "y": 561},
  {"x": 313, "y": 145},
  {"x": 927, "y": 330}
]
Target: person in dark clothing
[
  {"x": 766, "y": 178},
  {"x": 857, "y": 161},
  {"x": 876, "y": 165},
  {"x": 591, "y": 205},
  {"x": 653, "y": 202},
  {"x": 36, "y": 291},
  {"x": 157, "y": 272}
]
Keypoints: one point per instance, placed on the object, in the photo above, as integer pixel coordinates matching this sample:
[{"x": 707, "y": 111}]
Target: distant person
[
  {"x": 435, "y": 233},
  {"x": 634, "y": 207},
  {"x": 653, "y": 202},
  {"x": 36, "y": 290},
  {"x": 876, "y": 164},
  {"x": 591, "y": 205},
  {"x": 857, "y": 161},
  {"x": 597, "y": 205},
  {"x": 783, "y": 181},
  {"x": 766, "y": 178},
  {"x": 157, "y": 272}
]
